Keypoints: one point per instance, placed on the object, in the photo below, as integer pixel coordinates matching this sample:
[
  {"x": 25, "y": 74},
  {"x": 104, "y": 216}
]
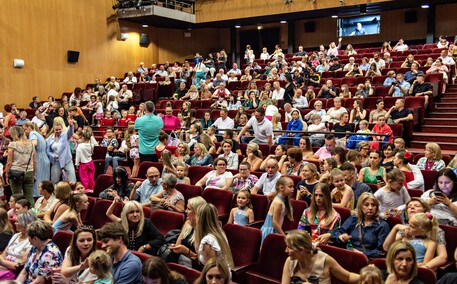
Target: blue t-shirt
[
  {"x": 128, "y": 269},
  {"x": 148, "y": 126}
]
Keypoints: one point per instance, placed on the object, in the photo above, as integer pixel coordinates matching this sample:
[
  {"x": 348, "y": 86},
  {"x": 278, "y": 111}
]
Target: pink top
[{"x": 171, "y": 123}]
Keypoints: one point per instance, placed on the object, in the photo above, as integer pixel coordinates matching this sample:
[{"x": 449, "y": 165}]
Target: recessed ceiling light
[
  {"x": 283, "y": 22},
  {"x": 334, "y": 16},
  {"x": 425, "y": 6},
  {"x": 237, "y": 26},
  {"x": 260, "y": 28},
  {"x": 145, "y": 26}
]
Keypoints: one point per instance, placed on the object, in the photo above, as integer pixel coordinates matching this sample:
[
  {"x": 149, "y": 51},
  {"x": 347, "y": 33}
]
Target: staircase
[{"x": 440, "y": 126}]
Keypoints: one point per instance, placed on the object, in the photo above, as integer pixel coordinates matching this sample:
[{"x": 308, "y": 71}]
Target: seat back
[
  {"x": 142, "y": 256},
  {"x": 415, "y": 192},
  {"x": 99, "y": 152},
  {"x": 102, "y": 182},
  {"x": 62, "y": 239},
  {"x": 98, "y": 216},
  {"x": 221, "y": 199},
  {"x": 189, "y": 191},
  {"x": 86, "y": 213},
  {"x": 450, "y": 233},
  {"x": 190, "y": 274},
  {"x": 244, "y": 243},
  {"x": 349, "y": 260},
  {"x": 272, "y": 257},
  {"x": 260, "y": 205},
  {"x": 429, "y": 179},
  {"x": 344, "y": 212},
  {"x": 144, "y": 166},
  {"x": 298, "y": 207},
  {"x": 165, "y": 220},
  {"x": 195, "y": 173}
]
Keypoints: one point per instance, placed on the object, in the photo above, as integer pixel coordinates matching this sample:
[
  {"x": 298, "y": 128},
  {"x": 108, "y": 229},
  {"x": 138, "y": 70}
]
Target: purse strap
[{"x": 361, "y": 238}]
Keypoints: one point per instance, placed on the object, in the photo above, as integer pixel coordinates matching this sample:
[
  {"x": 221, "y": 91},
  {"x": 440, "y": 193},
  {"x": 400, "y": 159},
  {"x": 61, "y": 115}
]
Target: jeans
[
  {"x": 56, "y": 172},
  {"x": 114, "y": 160}
]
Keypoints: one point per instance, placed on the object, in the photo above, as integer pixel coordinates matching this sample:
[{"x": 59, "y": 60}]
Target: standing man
[{"x": 148, "y": 127}]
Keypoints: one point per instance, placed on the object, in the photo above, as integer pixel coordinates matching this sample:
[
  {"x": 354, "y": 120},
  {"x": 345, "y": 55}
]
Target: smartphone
[
  {"x": 438, "y": 193},
  {"x": 379, "y": 178}
]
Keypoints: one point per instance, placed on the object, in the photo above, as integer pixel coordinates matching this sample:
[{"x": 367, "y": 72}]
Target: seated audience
[
  {"x": 393, "y": 196},
  {"x": 267, "y": 182},
  {"x": 432, "y": 160},
  {"x": 219, "y": 178},
  {"x": 169, "y": 198},
  {"x": 122, "y": 185}
]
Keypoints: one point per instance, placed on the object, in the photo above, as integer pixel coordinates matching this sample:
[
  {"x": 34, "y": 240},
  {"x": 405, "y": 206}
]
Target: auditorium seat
[
  {"x": 244, "y": 243},
  {"x": 189, "y": 191},
  {"x": 166, "y": 220},
  {"x": 144, "y": 166},
  {"x": 298, "y": 207},
  {"x": 62, "y": 239},
  {"x": 190, "y": 274},
  {"x": 221, "y": 199},
  {"x": 102, "y": 182},
  {"x": 271, "y": 261},
  {"x": 195, "y": 173},
  {"x": 344, "y": 212},
  {"x": 98, "y": 216}
]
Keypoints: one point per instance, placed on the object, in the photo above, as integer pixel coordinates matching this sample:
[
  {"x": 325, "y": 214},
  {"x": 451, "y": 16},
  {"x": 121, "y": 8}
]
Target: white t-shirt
[
  {"x": 266, "y": 184},
  {"x": 219, "y": 181},
  {"x": 228, "y": 123},
  {"x": 212, "y": 241},
  {"x": 262, "y": 130},
  {"x": 440, "y": 211},
  {"x": 278, "y": 95}
]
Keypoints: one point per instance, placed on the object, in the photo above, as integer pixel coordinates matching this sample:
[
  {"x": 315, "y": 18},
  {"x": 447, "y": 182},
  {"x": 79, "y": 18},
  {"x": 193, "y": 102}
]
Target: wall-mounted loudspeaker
[
  {"x": 72, "y": 56},
  {"x": 144, "y": 40},
  {"x": 309, "y": 27},
  {"x": 410, "y": 17}
]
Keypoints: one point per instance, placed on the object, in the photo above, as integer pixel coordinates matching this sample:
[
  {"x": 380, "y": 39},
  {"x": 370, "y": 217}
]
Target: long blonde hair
[
  {"x": 360, "y": 201},
  {"x": 194, "y": 203},
  {"x": 129, "y": 206},
  {"x": 208, "y": 223},
  {"x": 58, "y": 121}
]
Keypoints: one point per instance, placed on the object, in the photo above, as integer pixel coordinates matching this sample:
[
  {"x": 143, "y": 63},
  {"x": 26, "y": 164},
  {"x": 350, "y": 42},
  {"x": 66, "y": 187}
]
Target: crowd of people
[{"x": 50, "y": 169}]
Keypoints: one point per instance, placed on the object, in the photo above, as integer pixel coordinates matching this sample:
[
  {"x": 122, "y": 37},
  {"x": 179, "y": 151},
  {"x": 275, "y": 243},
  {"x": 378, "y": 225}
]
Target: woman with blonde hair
[
  {"x": 402, "y": 264},
  {"x": 276, "y": 124},
  {"x": 143, "y": 235},
  {"x": 215, "y": 271},
  {"x": 209, "y": 144},
  {"x": 210, "y": 239},
  {"x": 21, "y": 164},
  {"x": 43, "y": 169},
  {"x": 253, "y": 156},
  {"x": 201, "y": 156},
  {"x": 305, "y": 262},
  {"x": 432, "y": 160},
  {"x": 365, "y": 231}
]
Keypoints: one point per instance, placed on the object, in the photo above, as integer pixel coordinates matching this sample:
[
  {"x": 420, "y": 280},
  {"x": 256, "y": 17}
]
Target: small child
[
  {"x": 71, "y": 217},
  {"x": 370, "y": 275},
  {"x": 181, "y": 173},
  {"x": 131, "y": 116},
  {"x": 131, "y": 139},
  {"x": 326, "y": 166},
  {"x": 393, "y": 196},
  {"x": 100, "y": 265},
  {"x": 243, "y": 213},
  {"x": 123, "y": 120},
  {"x": 342, "y": 194},
  {"x": 98, "y": 116},
  {"x": 107, "y": 120},
  {"x": 84, "y": 161},
  {"x": 421, "y": 234},
  {"x": 76, "y": 116},
  {"x": 12, "y": 205},
  {"x": 279, "y": 208},
  {"x": 78, "y": 187}
]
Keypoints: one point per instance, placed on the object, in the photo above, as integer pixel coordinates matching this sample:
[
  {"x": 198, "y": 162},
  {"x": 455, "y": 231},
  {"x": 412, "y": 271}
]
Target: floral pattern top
[{"x": 40, "y": 264}]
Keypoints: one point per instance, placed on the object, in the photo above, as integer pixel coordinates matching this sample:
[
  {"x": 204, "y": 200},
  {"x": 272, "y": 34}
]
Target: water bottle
[{"x": 349, "y": 245}]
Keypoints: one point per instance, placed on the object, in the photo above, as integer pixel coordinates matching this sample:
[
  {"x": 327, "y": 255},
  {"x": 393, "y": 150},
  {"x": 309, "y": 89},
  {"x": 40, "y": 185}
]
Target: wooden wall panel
[
  {"x": 445, "y": 20},
  {"x": 393, "y": 27},
  {"x": 217, "y": 10}
]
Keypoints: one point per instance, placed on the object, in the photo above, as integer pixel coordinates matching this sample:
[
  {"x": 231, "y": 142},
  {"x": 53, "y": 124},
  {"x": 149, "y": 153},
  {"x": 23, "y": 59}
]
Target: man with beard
[{"x": 126, "y": 266}]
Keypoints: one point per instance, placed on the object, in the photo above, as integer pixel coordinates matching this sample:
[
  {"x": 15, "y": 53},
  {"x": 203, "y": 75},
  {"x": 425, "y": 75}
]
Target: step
[
  {"x": 445, "y": 105},
  {"x": 435, "y": 137},
  {"x": 439, "y": 128},
  {"x": 451, "y": 147},
  {"x": 440, "y": 121},
  {"x": 443, "y": 114},
  {"x": 446, "y": 109},
  {"x": 448, "y": 100},
  {"x": 450, "y": 95}
]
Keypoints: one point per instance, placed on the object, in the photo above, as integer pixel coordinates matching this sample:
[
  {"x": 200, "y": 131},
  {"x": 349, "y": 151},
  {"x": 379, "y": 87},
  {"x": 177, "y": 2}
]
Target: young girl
[
  {"x": 211, "y": 131},
  {"x": 123, "y": 120},
  {"x": 193, "y": 93},
  {"x": 305, "y": 187},
  {"x": 100, "y": 265},
  {"x": 421, "y": 234},
  {"x": 279, "y": 208},
  {"x": 131, "y": 116},
  {"x": 12, "y": 205},
  {"x": 131, "y": 139},
  {"x": 326, "y": 167},
  {"x": 98, "y": 116},
  {"x": 243, "y": 213},
  {"x": 181, "y": 173},
  {"x": 71, "y": 216},
  {"x": 22, "y": 206},
  {"x": 370, "y": 275},
  {"x": 84, "y": 161},
  {"x": 342, "y": 194},
  {"x": 107, "y": 120},
  {"x": 393, "y": 194}
]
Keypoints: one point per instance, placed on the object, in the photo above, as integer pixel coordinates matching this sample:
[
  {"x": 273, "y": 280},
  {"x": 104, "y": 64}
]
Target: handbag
[
  {"x": 16, "y": 175},
  {"x": 173, "y": 139}
]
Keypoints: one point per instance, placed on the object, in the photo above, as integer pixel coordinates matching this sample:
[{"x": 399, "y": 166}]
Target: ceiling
[{"x": 163, "y": 22}]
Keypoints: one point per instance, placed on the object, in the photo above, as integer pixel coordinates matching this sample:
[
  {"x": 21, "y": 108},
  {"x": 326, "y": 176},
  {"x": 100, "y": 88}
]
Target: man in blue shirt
[
  {"x": 126, "y": 266},
  {"x": 399, "y": 87},
  {"x": 142, "y": 191},
  {"x": 149, "y": 127}
]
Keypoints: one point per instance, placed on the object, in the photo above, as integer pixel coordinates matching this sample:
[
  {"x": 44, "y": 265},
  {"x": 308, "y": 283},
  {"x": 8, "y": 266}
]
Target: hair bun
[
  {"x": 429, "y": 215},
  {"x": 407, "y": 155}
]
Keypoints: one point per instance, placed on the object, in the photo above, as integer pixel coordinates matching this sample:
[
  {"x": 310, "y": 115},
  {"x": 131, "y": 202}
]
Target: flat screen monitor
[{"x": 359, "y": 25}]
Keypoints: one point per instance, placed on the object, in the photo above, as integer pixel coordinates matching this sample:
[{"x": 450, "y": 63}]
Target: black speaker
[
  {"x": 309, "y": 27},
  {"x": 144, "y": 40},
  {"x": 72, "y": 56},
  {"x": 410, "y": 17}
]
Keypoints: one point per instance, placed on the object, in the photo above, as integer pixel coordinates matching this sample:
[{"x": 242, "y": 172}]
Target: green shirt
[{"x": 148, "y": 126}]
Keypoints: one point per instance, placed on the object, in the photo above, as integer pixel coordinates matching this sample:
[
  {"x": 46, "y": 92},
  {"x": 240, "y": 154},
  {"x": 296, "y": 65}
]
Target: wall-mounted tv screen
[{"x": 359, "y": 25}]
